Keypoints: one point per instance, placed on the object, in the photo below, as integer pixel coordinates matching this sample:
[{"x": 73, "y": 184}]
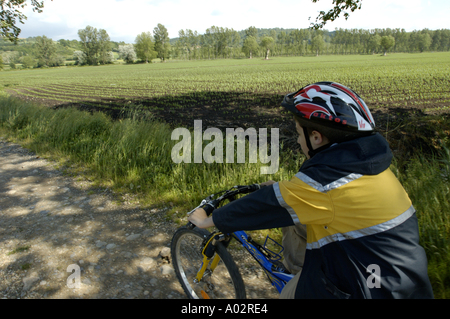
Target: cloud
[{"x": 124, "y": 19}]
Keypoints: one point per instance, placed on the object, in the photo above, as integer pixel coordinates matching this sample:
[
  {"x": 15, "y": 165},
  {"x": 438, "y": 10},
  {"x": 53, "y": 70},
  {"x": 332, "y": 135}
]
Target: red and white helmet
[{"x": 330, "y": 105}]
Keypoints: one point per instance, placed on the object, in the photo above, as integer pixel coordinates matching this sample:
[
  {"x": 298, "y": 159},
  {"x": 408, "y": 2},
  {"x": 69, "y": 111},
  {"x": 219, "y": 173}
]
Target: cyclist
[{"x": 362, "y": 230}]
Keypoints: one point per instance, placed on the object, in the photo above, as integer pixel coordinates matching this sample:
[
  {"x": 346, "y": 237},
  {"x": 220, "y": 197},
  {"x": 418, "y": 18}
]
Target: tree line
[
  {"x": 227, "y": 43},
  {"x": 95, "y": 46}
]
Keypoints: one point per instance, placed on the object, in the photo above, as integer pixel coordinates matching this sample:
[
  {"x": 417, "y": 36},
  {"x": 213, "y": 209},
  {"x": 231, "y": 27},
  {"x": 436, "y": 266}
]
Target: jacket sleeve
[{"x": 258, "y": 210}]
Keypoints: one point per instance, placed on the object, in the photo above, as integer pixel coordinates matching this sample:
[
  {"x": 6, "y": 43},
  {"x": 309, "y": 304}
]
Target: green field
[
  {"x": 398, "y": 80},
  {"x": 408, "y": 94}
]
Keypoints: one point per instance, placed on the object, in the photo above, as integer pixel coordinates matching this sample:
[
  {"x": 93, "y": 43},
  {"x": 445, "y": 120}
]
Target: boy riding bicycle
[{"x": 362, "y": 231}]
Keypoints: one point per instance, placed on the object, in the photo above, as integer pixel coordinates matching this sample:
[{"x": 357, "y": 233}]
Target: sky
[{"x": 125, "y": 19}]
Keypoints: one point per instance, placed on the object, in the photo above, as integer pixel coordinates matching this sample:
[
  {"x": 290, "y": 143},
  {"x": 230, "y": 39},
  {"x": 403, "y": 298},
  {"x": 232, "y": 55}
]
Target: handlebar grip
[
  {"x": 251, "y": 188},
  {"x": 209, "y": 207}
]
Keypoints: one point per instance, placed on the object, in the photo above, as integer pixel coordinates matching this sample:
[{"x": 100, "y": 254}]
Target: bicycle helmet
[{"x": 331, "y": 108}]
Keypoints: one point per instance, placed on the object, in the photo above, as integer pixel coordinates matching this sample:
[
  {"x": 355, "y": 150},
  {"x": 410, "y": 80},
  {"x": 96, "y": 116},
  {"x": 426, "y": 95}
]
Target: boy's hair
[{"x": 333, "y": 135}]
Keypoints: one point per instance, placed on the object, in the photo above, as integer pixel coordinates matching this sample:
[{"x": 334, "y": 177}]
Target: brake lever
[{"x": 201, "y": 204}]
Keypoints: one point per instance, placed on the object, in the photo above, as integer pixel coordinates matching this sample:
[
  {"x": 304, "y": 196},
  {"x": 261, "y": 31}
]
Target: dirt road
[{"x": 50, "y": 222}]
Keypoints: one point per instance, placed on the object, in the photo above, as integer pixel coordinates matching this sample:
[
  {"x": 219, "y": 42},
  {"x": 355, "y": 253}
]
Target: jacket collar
[{"x": 369, "y": 155}]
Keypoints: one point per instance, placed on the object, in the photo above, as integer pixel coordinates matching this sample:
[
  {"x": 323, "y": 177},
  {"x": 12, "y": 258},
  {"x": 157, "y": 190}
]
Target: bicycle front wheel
[{"x": 225, "y": 282}]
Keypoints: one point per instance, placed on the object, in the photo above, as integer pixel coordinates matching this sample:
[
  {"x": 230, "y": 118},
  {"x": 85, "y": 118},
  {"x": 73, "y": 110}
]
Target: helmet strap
[{"x": 311, "y": 151}]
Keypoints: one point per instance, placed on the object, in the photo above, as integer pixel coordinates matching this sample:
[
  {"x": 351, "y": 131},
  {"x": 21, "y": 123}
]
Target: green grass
[
  {"x": 427, "y": 182},
  {"x": 18, "y": 250}
]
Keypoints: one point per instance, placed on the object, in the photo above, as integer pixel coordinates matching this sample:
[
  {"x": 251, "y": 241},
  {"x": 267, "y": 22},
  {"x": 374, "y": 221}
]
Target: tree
[
  {"x": 281, "y": 41},
  {"x": 267, "y": 44},
  {"x": 162, "y": 44},
  {"x": 193, "y": 41},
  {"x": 127, "y": 53},
  {"x": 188, "y": 41},
  {"x": 235, "y": 42},
  {"x": 104, "y": 47},
  {"x": 251, "y": 32},
  {"x": 250, "y": 46},
  {"x": 333, "y": 14},
  {"x": 424, "y": 41},
  {"x": 220, "y": 40},
  {"x": 95, "y": 44},
  {"x": 10, "y": 15},
  {"x": 374, "y": 43},
  {"x": 45, "y": 51},
  {"x": 89, "y": 43},
  {"x": 145, "y": 47},
  {"x": 317, "y": 44},
  {"x": 110, "y": 57},
  {"x": 10, "y": 56},
  {"x": 28, "y": 62},
  {"x": 387, "y": 42}
]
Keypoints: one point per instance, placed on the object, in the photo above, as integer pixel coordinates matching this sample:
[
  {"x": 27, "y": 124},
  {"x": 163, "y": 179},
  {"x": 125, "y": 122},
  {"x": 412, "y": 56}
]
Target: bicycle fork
[{"x": 208, "y": 253}]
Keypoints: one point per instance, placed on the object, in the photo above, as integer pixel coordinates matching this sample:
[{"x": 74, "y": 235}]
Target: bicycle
[{"x": 204, "y": 266}]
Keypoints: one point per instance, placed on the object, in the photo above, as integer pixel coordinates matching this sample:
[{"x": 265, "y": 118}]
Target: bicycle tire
[{"x": 224, "y": 283}]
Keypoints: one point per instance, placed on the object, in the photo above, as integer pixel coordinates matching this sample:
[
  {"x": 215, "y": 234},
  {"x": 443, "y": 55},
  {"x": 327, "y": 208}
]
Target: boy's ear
[{"x": 316, "y": 137}]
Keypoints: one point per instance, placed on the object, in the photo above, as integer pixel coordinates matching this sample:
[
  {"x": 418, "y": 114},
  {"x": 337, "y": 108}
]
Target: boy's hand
[{"x": 200, "y": 219}]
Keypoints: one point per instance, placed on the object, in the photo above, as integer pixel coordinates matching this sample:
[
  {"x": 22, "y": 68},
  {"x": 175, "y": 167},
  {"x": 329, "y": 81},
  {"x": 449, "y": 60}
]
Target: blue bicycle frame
[{"x": 278, "y": 279}]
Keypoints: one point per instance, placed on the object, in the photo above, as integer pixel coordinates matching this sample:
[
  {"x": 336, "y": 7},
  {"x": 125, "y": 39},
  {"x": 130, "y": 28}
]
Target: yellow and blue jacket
[{"x": 362, "y": 231}]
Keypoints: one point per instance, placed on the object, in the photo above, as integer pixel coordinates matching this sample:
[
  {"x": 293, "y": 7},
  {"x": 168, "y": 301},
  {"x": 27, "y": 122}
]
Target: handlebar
[{"x": 210, "y": 203}]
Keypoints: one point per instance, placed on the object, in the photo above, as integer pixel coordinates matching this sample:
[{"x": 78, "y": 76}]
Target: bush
[
  {"x": 79, "y": 57},
  {"x": 56, "y": 60},
  {"x": 28, "y": 62},
  {"x": 127, "y": 53}
]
